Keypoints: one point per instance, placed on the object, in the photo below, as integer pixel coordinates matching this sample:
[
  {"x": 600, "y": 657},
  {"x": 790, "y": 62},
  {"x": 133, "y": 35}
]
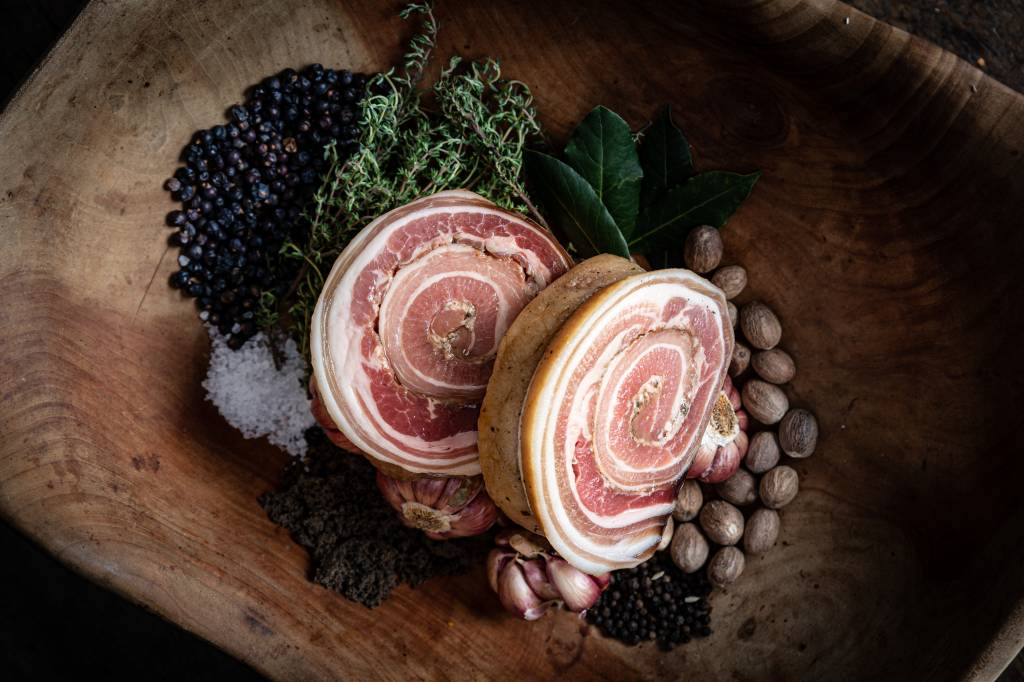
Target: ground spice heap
[
  {"x": 331, "y": 505},
  {"x": 655, "y": 601}
]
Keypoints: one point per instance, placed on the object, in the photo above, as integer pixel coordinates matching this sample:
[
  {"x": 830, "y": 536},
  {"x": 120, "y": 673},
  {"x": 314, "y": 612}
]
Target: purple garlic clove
[
  {"x": 517, "y": 596},
  {"x": 579, "y": 591},
  {"x": 537, "y": 578},
  {"x": 530, "y": 578},
  {"x": 496, "y": 561},
  {"x": 441, "y": 507}
]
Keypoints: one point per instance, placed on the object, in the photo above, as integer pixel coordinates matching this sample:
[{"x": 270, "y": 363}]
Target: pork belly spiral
[
  {"x": 613, "y": 413},
  {"x": 405, "y": 332}
]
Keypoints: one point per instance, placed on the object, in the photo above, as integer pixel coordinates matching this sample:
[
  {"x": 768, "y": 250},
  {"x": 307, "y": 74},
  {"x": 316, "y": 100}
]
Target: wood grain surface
[{"x": 885, "y": 231}]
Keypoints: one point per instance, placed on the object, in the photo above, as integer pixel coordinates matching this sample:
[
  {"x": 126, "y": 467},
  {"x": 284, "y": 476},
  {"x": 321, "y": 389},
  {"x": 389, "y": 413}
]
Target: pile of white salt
[{"x": 255, "y": 396}]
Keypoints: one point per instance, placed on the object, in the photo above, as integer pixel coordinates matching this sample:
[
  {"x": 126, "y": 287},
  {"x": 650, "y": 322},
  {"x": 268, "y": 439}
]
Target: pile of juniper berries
[
  {"x": 655, "y": 601},
  {"x": 245, "y": 185}
]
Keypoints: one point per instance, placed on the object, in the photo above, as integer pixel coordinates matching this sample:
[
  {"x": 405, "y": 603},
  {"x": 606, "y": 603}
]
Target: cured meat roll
[
  {"x": 519, "y": 353},
  {"x": 613, "y": 413},
  {"x": 405, "y": 332}
]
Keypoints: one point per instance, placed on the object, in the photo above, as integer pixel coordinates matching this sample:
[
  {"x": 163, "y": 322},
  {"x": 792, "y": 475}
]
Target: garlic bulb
[
  {"x": 530, "y": 578},
  {"x": 725, "y": 442},
  {"x": 441, "y": 507}
]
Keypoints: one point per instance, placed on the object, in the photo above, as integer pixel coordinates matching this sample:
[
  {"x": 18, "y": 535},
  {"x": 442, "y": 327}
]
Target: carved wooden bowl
[{"x": 886, "y": 231}]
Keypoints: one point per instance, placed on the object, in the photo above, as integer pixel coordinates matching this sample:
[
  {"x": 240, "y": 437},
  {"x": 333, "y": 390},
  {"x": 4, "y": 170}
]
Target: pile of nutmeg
[{"x": 715, "y": 519}]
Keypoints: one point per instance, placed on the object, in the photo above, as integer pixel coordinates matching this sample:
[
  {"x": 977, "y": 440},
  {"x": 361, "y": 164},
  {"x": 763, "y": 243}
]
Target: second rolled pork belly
[{"x": 613, "y": 412}]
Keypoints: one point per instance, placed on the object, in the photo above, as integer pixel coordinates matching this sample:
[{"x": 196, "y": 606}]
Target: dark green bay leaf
[
  {"x": 665, "y": 158},
  {"x": 705, "y": 199},
  {"x": 601, "y": 149},
  {"x": 574, "y": 207}
]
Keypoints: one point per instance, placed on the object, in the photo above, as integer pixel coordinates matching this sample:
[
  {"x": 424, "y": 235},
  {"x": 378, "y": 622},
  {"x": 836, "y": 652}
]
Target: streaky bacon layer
[
  {"x": 404, "y": 335},
  {"x": 615, "y": 413}
]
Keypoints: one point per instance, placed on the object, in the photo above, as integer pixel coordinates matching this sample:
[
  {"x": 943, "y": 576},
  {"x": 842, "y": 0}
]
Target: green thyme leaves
[{"x": 471, "y": 132}]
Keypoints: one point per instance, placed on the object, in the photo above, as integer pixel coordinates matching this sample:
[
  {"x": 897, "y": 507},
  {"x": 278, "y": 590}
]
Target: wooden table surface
[{"x": 49, "y": 21}]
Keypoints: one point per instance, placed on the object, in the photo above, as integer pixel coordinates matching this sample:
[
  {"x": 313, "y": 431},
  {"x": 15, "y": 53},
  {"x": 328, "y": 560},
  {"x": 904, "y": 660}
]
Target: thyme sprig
[{"x": 473, "y": 136}]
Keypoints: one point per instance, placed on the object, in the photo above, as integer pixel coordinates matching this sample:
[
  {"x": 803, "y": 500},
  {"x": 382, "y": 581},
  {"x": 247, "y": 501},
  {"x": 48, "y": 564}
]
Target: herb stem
[{"x": 473, "y": 138}]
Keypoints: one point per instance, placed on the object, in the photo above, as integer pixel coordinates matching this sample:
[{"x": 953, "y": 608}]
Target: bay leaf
[
  {"x": 574, "y": 207},
  {"x": 665, "y": 158},
  {"x": 705, "y": 199},
  {"x": 601, "y": 149}
]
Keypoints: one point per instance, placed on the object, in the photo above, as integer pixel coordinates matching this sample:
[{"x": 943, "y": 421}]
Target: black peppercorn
[{"x": 652, "y": 598}]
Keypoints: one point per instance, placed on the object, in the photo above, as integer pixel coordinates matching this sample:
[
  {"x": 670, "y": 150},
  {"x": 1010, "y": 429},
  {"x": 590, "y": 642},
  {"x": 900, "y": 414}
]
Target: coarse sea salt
[{"x": 256, "y": 397}]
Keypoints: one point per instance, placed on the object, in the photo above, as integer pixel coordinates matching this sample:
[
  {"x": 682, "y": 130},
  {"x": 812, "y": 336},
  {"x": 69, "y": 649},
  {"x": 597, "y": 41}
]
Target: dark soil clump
[{"x": 331, "y": 505}]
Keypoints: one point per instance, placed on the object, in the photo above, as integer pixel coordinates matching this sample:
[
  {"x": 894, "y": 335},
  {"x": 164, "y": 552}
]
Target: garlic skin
[
  {"x": 517, "y": 596},
  {"x": 538, "y": 577},
  {"x": 442, "y": 508},
  {"x": 722, "y": 448},
  {"x": 530, "y": 578},
  {"x": 666, "y": 534},
  {"x": 579, "y": 591}
]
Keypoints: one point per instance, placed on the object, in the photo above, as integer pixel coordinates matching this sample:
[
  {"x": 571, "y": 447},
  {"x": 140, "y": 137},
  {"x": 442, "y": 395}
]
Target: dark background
[{"x": 57, "y": 625}]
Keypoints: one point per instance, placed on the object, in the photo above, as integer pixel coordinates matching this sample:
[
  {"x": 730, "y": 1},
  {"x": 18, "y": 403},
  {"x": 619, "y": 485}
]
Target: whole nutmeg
[
  {"x": 703, "y": 249},
  {"x": 760, "y": 325},
  {"x": 734, "y": 314},
  {"x": 731, "y": 279},
  {"x": 763, "y": 453},
  {"x": 765, "y": 402},
  {"x": 779, "y": 486},
  {"x": 775, "y": 366},
  {"x": 739, "y": 489},
  {"x": 722, "y": 522},
  {"x": 726, "y": 566},
  {"x": 798, "y": 433},
  {"x": 689, "y": 500},
  {"x": 689, "y": 549},
  {"x": 740, "y": 360},
  {"x": 762, "y": 531}
]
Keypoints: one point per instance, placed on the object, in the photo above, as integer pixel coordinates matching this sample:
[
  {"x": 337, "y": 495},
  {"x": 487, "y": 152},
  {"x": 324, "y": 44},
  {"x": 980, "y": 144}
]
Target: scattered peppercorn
[
  {"x": 655, "y": 601},
  {"x": 246, "y": 184}
]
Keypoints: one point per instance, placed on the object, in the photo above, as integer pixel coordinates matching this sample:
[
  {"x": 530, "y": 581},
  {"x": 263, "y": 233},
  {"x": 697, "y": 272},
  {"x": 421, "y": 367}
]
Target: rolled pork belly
[
  {"x": 405, "y": 332},
  {"x": 588, "y": 445}
]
